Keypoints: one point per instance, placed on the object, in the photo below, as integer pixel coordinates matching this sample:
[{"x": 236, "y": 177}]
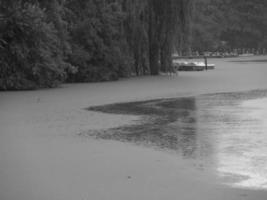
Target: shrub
[{"x": 30, "y": 54}]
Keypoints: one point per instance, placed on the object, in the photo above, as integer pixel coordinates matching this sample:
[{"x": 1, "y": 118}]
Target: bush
[{"x": 30, "y": 54}]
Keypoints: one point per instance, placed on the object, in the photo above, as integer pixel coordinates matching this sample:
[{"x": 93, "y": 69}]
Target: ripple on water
[
  {"x": 224, "y": 133},
  {"x": 243, "y": 152}
]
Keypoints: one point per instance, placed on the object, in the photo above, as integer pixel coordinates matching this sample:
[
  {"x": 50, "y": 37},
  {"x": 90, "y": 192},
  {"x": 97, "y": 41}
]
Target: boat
[{"x": 193, "y": 66}]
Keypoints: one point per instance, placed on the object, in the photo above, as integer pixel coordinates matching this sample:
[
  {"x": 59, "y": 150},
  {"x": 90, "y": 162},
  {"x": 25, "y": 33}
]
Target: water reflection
[
  {"x": 242, "y": 150},
  {"x": 225, "y": 133},
  {"x": 168, "y": 124}
]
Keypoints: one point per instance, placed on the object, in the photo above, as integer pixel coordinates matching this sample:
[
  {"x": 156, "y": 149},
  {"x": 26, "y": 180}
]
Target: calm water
[
  {"x": 225, "y": 134},
  {"x": 251, "y": 61}
]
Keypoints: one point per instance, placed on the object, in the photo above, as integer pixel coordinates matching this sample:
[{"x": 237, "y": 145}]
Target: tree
[
  {"x": 29, "y": 50},
  {"x": 96, "y": 40},
  {"x": 169, "y": 23},
  {"x": 45, "y": 42},
  {"x": 236, "y": 23},
  {"x": 246, "y": 28},
  {"x": 135, "y": 27}
]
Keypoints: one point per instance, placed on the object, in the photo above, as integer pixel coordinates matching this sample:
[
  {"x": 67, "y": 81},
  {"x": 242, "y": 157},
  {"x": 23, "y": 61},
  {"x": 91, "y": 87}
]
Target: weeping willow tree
[
  {"x": 169, "y": 24},
  {"x": 184, "y": 39},
  {"x": 135, "y": 29},
  {"x": 154, "y": 29}
]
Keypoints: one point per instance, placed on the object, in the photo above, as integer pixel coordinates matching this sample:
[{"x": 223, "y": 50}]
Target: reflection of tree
[
  {"x": 166, "y": 124},
  {"x": 209, "y": 130}
]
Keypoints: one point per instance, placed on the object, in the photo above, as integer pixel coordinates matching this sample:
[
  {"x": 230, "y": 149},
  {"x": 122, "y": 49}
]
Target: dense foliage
[
  {"x": 46, "y": 42},
  {"x": 247, "y": 25},
  {"x": 96, "y": 41},
  {"x": 28, "y": 48},
  {"x": 229, "y": 24}
]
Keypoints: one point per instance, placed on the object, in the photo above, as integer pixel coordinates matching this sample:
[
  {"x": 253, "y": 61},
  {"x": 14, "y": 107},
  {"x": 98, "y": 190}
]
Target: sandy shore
[{"x": 42, "y": 157}]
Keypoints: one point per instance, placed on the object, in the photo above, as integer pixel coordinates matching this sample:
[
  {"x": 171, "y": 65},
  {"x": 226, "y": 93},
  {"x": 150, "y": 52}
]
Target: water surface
[
  {"x": 251, "y": 61},
  {"x": 225, "y": 134}
]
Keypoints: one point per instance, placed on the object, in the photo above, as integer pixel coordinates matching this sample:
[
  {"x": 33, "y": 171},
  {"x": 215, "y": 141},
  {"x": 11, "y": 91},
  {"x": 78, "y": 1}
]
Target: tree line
[
  {"x": 225, "y": 25},
  {"x": 44, "y": 43}
]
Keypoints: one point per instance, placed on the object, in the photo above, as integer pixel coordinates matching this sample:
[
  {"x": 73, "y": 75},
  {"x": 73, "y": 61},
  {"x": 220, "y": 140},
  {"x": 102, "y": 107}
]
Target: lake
[{"x": 223, "y": 134}]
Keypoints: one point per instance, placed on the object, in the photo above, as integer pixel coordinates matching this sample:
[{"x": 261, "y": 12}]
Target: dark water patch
[
  {"x": 173, "y": 124},
  {"x": 151, "y": 107},
  {"x": 217, "y": 132},
  {"x": 158, "y": 127}
]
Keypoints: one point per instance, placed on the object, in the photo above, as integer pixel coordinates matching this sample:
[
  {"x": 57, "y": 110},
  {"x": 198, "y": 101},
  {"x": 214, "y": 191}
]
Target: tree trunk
[{"x": 153, "y": 43}]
